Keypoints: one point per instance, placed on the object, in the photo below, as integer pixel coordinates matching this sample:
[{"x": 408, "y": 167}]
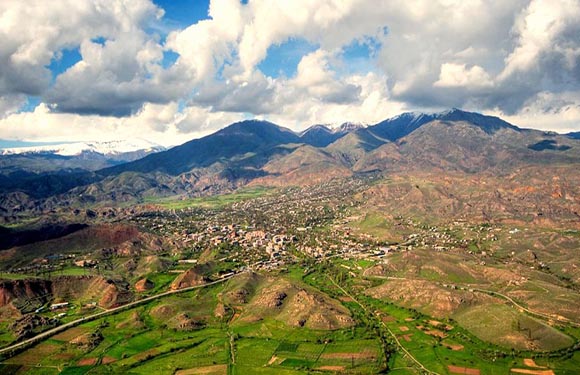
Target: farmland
[{"x": 293, "y": 281}]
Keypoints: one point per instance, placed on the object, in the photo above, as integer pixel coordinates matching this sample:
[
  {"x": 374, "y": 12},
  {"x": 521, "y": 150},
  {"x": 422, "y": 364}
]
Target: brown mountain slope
[
  {"x": 461, "y": 146},
  {"x": 532, "y": 194},
  {"x": 306, "y": 165}
]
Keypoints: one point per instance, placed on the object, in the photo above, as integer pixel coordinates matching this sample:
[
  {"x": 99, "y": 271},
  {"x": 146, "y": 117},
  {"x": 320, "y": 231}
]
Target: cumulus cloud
[
  {"x": 492, "y": 55},
  {"x": 315, "y": 76},
  {"x": 34, "y": 32},
  {"x": 511, "y": 58},
  {"x": 540, "y": 110},
  {"x": 116, "y": 78},
  {"x": 205, "y": 46},
  {"x": 164, "y": 124},
  {"x": 547, "y": 53},
  {"x": 458, "y": 75}
]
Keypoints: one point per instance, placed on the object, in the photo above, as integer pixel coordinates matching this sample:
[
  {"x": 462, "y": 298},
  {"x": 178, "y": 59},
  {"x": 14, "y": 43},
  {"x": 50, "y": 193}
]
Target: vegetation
[
  {"x": 296, "y": 280},
  {"x": 216, "y": 201}
]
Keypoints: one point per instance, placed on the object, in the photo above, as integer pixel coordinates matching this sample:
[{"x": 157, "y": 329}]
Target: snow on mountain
[
  {"x": 109, "y": 148},
  {"x": 319, "y": 128},
  {"x": 348, "y": 127}
]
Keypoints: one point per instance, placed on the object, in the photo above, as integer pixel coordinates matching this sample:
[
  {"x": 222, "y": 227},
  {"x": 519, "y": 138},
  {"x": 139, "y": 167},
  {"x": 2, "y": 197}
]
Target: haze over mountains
[
  {"x": 118, "y": 149},
  {"x": 262, "y": 153},
  {"x": 39, "y": 159}
]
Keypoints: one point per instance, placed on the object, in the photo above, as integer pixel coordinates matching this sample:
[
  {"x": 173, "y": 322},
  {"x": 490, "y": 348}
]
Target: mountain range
[
  {"x": 40, "y": 159},
  {"x": 262, "y": 153}
]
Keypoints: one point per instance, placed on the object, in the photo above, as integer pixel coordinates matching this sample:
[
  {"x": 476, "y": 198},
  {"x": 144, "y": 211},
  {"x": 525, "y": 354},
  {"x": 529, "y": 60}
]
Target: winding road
[
  {"x": 492, "y": 293},
  {"x": 401, "y": 347}
]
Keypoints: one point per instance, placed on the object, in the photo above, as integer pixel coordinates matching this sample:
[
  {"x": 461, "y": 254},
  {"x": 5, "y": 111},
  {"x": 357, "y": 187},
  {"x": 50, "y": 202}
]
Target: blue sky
[
  {"x": 281, "y": 60},
  {"x": 182, "y": 13},
  {"x": 167, "y": 70}
]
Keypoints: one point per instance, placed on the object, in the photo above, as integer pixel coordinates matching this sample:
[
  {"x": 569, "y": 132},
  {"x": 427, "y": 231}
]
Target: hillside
[
  {"x": 29, "y": 163},
  {"x": 262, "y": 153}
]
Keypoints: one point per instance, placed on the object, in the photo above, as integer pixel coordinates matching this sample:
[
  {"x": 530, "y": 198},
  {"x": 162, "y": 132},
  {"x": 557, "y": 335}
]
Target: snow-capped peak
[
  {"x": 109, "y": 148},
  {"x": 348, "y": 127},
  {"x": 315, "y": 128}
]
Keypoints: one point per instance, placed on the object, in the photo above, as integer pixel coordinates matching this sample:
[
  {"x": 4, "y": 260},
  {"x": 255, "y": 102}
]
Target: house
[{"x": 57, "y": 306}]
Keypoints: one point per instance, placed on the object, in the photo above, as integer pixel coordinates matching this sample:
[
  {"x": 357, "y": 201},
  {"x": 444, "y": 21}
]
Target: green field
[
  {"x": 216, "y": 201},
  {"x": 148, "y": 340}
]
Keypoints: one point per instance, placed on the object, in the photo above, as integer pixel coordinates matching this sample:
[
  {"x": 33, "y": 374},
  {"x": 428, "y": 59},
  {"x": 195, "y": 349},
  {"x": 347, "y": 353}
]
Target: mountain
[
  {"x": 245, "y": 140},
  {"x": 73, "y": 157},
  {"x": 574, "y": 135},
  {"x": 262, "y": 153},
  {"x": 471, "y": 143},
  {"x": 406, "y": 123},
  {"x": 347, "y": 127},
  {"x": 118, "y": 150},
  {"x": 318, "y": 136},
  {"x": 322, "y": 135},
  {"x": 401, "y": 125},
  {"x": 45, "y": 169}
]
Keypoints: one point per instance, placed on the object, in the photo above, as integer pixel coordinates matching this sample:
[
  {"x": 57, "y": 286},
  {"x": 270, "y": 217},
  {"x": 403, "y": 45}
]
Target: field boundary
[{"x": 15, "y": 348}]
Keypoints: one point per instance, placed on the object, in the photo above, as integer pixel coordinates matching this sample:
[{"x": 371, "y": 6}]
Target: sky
[{"x": 170, "y": 70}]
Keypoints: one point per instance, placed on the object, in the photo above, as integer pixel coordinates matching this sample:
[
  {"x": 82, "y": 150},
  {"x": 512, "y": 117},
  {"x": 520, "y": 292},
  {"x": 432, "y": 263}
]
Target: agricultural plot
[
  {"x": 502, "y": 325},
  {"x": 269, "y": 347},
  {"x": 446, "y": 347},
  {"x": 158, "y": 338}
]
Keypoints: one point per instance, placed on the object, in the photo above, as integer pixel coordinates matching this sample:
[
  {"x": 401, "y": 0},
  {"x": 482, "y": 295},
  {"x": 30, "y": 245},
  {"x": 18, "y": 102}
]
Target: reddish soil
[
  {"x": 532, "y": 372},
  {"x": 388, "y": 319},
  {"x": 207, "y": 370},
  {"x": 454, "y": 347},
  {"x": 87, "y": 362},
  {"x": 107, "y": 360},
  {"x": 70, "y": 334},
  {"x": 435, "y": 333},
  {"x": 15, "y": 289},
  {"x": 463, "y": 370},
  {"x": 404, "y": 329},
  {"x": 144, "y": 285},
  {"x": 530, "y": 363},
  {"x": 407, "y": 337},
  {"x": 187, "y": 279}
]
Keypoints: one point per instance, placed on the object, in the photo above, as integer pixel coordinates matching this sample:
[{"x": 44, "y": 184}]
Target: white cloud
[
  {"x": 206, "y": 45},
  {"x": 548, "y": 111},
  {"x": 372, "y": 105},
  {"x": 117, "y": 78},
  {"x": 458, "y": 75},
  {"x": 11, "y": 104},
  {"x": 315, "y": 75},
  {"x": 163, "y": 124},
  {"x": 539, "y": 28},
  {"x": 510, "y": 57},
  {"x": 34, "y": 31}
]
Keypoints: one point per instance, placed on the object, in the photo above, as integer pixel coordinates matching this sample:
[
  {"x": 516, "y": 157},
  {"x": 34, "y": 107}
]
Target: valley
[{"x": 393, "y": 251}]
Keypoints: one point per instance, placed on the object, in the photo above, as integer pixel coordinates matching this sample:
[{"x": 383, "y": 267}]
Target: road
[
  {"x": 517, "y": 305},
  {"x": 401, "y": 347},
  {"x": 495, "y": 294},
  {"x": 64, "y": 327}
]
